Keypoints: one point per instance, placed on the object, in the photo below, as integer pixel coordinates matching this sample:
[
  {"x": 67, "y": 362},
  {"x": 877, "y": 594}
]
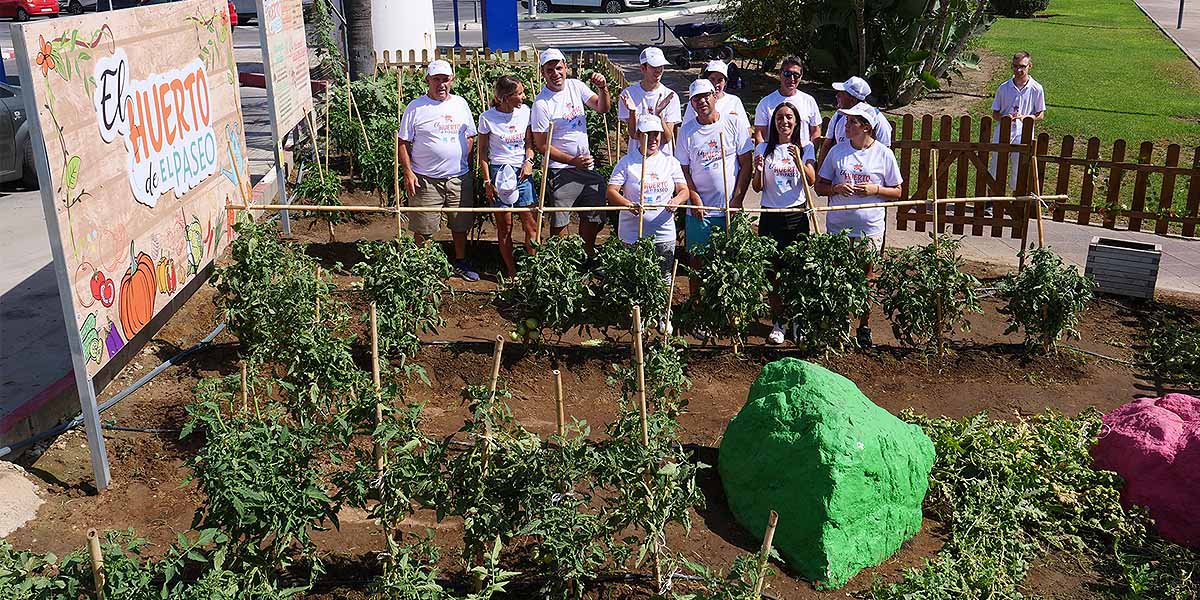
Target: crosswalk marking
[{"x": 579, "y": 37}]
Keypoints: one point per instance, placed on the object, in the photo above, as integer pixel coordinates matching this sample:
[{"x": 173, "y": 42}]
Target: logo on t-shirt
[
  {"x": 573, "y": 116},
  {"x": 855, "y": 175},
  {"x": 447, "y": 129},
  {"x": 710, "y": 156},
  {"x": 655, "y": 186}
]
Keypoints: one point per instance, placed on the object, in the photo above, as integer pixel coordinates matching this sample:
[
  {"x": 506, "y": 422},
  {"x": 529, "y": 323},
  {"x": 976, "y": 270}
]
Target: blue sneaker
[{"x": 463, "y": 269}]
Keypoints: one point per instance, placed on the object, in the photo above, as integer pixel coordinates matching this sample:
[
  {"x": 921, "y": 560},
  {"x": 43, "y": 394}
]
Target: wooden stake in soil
[
  {"x": 310, "y": 121},
  {"x": 1037, "y": 198},
  {"x": 724, "y": 179},
  {"x": 558, "y": 401},
  {"x": 353, "y": 108},
  {"x": 671, "y": 292},
  {"x": 764, "y": 555},
  {"x": 317, "y": 304},
  {"x": 608, "y": 150},
  {"x": 245, "y": 390},
  {"x": 378, "y": 385},
  {"x": 642, "y": 190},
  {"x": 496, "y": 356},
  {"x": 545, "y": 175},
  {"x": 641, "y": 372},
  {"x": 811, "y": 200},
  {"x": 937, "y": 299},
  {"x": 93, "y": 539}
]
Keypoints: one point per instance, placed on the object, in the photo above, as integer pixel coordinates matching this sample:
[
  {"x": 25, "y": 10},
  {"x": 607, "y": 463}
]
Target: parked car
[
  {"x": 76, "y": 7},
  {"x": 16, "y": 147},
  {"x": 608, "y": 6},
  {"x": 21, "y": 10},
  {"x": 233, "y": 18}
]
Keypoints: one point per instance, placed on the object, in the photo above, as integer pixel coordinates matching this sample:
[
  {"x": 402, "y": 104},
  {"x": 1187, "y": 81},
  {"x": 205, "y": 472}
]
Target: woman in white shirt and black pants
[{"x": 779, "y": 163}]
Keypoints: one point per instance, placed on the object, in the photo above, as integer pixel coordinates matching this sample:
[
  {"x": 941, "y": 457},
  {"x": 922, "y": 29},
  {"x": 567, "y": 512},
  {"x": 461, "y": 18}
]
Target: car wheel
[
  {"x": 725, "y": 53},
  {"x": 22, "y": 16},
  {"x": 613, "y": 7},
  {"x": 543, "y": 6},
  {"x": 75, "y": 8},
  {"x": 29, "y": 176}
]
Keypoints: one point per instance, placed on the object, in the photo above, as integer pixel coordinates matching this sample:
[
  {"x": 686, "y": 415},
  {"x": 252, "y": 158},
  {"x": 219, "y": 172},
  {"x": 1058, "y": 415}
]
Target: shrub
[
  {"x": 625, "y": 275},
  {"x": 925, "y": 293},
  {"x": 822, "y": 284},
  {"x": 548, "y": 290},
  {"x": 1019, "y": 8},
  {"x": 406, "y": 281},
  {"x": 1173, "y": 350},
  {"x": 733, "y": 282},
  {"x": 1045, "y": 299}
]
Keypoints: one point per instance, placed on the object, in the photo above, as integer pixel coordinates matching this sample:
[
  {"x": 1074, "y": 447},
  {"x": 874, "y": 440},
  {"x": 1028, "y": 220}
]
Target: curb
[
  {"x": 1167, "y": 32},
  {"x": 651, "y": 17}
]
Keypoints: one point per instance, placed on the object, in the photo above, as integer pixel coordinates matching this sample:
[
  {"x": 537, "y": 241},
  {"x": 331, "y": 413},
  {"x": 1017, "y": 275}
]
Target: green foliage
[
  {"x": 739, "y": 584},
  {"x": 321, "y": 190},
  {"x": 1019, "y": 8},
  {"x": 1173, "y": 349},
  {"x": 1010, "y": 493},
  {"x": 549, "y": 286},
  {"x": 1045, "y": 299},
  {"x": 330, "y": 62},
  {"x": 406, "y": 281},
  {"x": 376, "y": 114},
  {"x": 624, "y": 276},
  {"x": 917, "y": 282},
  {"x": 262, "y": 482},
  {"x": 665, "y": 376},
  {"x": 822, "y": 284},
  {"x": 733, "y": 282}
]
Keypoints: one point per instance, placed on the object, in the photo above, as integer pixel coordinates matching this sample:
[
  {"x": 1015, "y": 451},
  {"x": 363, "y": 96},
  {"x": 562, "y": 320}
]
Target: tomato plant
[
  {"x": 733, "y": 282},
  {"x": 624, "y": 276},
  {"x": 549, "y": 287},
  {"x": 406, "y": 281},
  {"x": 321, "y": 190},
  {"x": 741, "y": 583},
  {"x": 822, "y": 283},
  {"x": 1045, "y": 299},
  {"x": 1173, "y": 349},
  {"x": 925, "y": 293}
]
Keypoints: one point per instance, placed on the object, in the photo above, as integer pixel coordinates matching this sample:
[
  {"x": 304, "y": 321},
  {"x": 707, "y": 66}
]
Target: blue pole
[{"x": 457, "y": 43}]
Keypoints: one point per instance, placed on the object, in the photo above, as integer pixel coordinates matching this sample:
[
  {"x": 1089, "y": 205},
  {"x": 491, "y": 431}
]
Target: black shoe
[{"x": 863, "y": 337}]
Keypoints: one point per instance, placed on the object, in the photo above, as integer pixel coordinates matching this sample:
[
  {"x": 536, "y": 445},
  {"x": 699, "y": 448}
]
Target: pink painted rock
[{"x": 1154, "y": 444}]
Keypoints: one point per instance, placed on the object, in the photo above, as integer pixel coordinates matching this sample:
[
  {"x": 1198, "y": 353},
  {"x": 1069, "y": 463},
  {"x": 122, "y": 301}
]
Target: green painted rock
[{"x": 846, "y": 477}]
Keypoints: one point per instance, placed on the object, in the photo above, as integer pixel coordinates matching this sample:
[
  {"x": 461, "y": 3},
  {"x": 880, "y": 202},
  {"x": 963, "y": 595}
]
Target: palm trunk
[
  {"x": 361, "y": 44},
  {"x": 860, "y": 10}
]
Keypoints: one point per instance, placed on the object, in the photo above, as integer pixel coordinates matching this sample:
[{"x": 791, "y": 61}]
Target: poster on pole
[
  {"x": 137, "y": 128},
  {"x": 285, "y": 63}
]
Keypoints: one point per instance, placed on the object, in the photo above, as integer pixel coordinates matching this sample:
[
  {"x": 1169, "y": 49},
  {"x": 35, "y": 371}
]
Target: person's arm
[
  {"x": 680, "y": 197},
  {"x": 1039, "y": 116},
  {"x": 600, "y": 102},
  {"x": 760, "y": 133},
  {"x": 669, "y": 133},
  {"x": 615, "y": 198},
  {"x": 814, "y": 133},
  {"x": 489, "y": 190},
  {"x": 527, "y": 166},
  {"x": 743, "y": 180},
  {"x": 410, "y": 179},
  {"x": 826, "y": 146},
  {"x": 874, "y": 189},
  {"x": 693, "y": 195},
  {"x": 760, "y": 163},
  {"x": 470, "y": 148}
]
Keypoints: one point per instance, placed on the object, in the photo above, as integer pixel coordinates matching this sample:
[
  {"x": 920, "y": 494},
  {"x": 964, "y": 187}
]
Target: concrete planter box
[{"x": 1123, "y": 267}]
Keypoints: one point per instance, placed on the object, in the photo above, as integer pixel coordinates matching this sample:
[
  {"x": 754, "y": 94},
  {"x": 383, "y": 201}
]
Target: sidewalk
[
  {"x": 1165, "y": 14},
  {"x": 676, "y": 8}
]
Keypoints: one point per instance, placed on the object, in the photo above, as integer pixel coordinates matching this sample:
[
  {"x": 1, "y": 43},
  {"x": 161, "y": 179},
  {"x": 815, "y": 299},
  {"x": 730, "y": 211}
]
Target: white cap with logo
[
  {"x": 654, "y": 57},
  {"x": 550, "y": 55},
  {"x": 855, "y": 86},
  {"x": 700, "y": 86},
  {"x": 439, "y": 67},
  {"x": 716, "y": 66},
  {"x": 649, "y": 124},
  {"x": 862, "y": 109}
]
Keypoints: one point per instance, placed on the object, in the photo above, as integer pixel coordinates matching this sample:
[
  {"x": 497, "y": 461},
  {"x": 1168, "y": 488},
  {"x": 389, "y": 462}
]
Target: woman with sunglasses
[
  {"x": 505, "y": 146},
  {"x": 779, "y": 163},
  {"x": 860, "y": 170}
]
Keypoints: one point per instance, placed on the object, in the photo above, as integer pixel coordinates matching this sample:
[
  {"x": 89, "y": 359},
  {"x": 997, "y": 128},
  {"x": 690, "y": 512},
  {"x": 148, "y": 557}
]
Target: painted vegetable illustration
[
  {"x": 167, "y": 281},
  {"x": 103, "y": 289},
  {"x": 91, "y": 339},
  {"x": 137, "y": 293},
  {"x": 195, "y": 239},
  {"x": 112, "y": 339}
]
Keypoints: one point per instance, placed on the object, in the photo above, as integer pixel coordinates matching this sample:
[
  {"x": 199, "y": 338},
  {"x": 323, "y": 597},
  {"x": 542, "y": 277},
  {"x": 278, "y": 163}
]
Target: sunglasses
[{"x": 790, "y": 74}]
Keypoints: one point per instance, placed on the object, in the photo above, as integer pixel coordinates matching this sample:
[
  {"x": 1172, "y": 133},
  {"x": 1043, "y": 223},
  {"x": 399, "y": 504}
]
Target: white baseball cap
[
  {"x": 716, "y": 66},
  {"x": 439, "y": 67},
  {"x": 862, "y": 109},
  {"x": 701, "y": 86},
  {"x": 855, "y": 86},
  {"x": 550, "y": 55},
  {"x": 654, "y": 57},
  {"x": 649, "y": 123}
]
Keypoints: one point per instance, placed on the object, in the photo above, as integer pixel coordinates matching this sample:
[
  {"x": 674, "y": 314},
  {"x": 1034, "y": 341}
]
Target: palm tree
[
  {"x": 860, "y": 9},
  {"x": 361, "y": 44}
]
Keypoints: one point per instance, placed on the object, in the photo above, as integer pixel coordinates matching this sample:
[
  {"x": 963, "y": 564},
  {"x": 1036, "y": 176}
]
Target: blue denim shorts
[{"x": 524, "y": 186}]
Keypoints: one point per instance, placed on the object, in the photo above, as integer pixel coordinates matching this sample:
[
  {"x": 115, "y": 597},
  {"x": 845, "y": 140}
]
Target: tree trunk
[
  {"x": 362, "y": 46},
  {"x": 860, "y": 10}
]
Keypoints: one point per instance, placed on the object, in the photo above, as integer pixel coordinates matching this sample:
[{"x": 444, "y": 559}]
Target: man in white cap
[
  {"x": 665, "y": 184},
  {"x": 1019, "y": 97},
  {"x": 572, "y": 180},
  {"x": 651, "y": 97},
  {"x": 717, "y": 73},
  {"x": 437, "y": 133},
  {"x": 850, "y": 93},
  {"x": 790, "y": 72},
  {"x": 699, "y": 151}
]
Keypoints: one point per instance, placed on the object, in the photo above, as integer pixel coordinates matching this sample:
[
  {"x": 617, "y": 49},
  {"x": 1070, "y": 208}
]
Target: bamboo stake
[
  {"x": 499, "y": 349},
  {"x": 352, "y": 107},
  {"x": 545, "y": 176},
  {"x": 1037, "y": 199},
  {"x": 641, "y": 372},
  {"x": 937, "y": 303},
  {"x": 379, "y": 463},
  {"x": 642, "y": 189},
  {"x": 245, "y": 390},
  {"x": 671, "y": 290},
  {"x": 317, "y": 308},
  {"x": 98, "y": 577},
  {"x": 608, "y": 150},
  {"x": 811, "y": 197},
  {"x": 724, "y": 180},
  {"x": 311, "y": 122},
  {"x": 764, "y": 555},
  {"x": 328, "y": 131},
  {"x": 558, "y": 400}
]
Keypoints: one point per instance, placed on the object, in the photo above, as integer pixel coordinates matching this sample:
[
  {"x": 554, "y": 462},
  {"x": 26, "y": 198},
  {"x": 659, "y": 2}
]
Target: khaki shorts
[{"x": 453, "y": 192}]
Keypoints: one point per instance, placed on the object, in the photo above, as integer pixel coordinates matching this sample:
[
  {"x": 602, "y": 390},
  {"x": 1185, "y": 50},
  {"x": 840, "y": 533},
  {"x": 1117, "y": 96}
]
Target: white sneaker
[
  {"x": 776, "y": 336},
  {"x": 665, "y": 327}
]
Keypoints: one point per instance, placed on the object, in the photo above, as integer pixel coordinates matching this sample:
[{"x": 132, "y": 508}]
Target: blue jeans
[{"x": 524, "y": 186}]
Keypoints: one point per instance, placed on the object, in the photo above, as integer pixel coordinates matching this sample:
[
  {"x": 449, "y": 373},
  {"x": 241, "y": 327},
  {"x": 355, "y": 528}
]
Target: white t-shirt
[
  {"x": 728, "y": 105},
  {"x": 646, "y": 102},
  {"x": 662, "y": 173},
  {"x": 438, "y": 132},
  {"x": 567, "y": 109},
  {"x": 506, "y": 135},
  {"x": 782, "y": 187},
  {"x": 874, "y": 164},
  {"x": 698, "y": 148},
  {"x": 1012, "y": 100},
  {"x": 837, "y": 128},
  {"x": 810, "y": 115}
]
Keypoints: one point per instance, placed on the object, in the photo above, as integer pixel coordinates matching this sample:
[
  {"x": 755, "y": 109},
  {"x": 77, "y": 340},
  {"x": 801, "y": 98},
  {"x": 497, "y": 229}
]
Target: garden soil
[{"x": 987, "y": 371}]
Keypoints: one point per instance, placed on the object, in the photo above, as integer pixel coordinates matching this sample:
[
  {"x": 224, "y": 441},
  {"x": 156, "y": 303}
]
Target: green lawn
[{"x": 1108, "y": 72}]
